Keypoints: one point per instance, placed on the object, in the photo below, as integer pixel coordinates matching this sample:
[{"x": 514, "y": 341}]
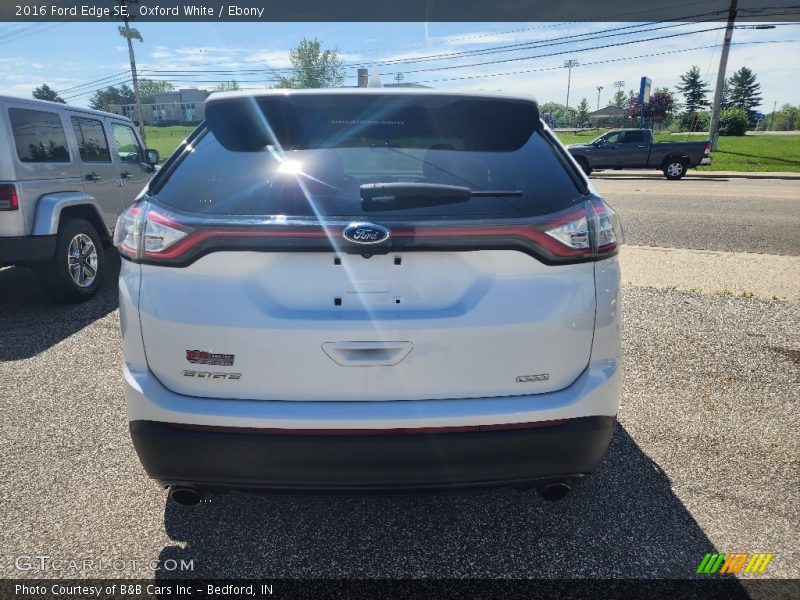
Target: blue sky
[{"x": 65, "y": 55}]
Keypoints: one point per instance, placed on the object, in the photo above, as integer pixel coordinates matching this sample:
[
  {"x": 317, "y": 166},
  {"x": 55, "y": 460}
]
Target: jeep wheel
[
  {"x": 78, "y": 267},
  {"x": 674, "y": 168}
]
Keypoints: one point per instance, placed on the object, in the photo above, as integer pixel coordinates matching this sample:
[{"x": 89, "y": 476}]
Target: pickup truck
[{"x": 635, "y": 149}]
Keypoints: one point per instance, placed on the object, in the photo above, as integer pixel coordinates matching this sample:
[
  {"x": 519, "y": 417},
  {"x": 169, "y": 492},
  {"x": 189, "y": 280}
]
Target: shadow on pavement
[
  {"x": 30, "y": 322},
  {"x": 622, "y": 522}
]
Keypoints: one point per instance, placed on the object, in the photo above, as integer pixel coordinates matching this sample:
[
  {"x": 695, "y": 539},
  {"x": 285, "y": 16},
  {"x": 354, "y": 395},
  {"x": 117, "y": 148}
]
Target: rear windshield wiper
[{"x": 386, "y": 196}]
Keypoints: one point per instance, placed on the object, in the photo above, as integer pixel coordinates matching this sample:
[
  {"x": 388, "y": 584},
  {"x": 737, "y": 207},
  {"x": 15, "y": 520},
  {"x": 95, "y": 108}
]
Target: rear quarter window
[{"x": 38, "y": 136}]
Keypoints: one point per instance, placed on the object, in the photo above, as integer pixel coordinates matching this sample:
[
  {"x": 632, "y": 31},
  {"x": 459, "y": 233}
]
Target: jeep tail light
[
  {"x": 142, "y": 232},
  {"x": 8, "y": 197},
  {"x": 707, "y": 151}
]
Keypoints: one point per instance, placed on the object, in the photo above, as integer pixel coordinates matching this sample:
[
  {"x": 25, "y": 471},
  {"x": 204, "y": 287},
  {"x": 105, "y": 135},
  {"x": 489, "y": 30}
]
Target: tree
[
  {"x": 659, "y": 107},
  {"x": 725, "y": 101},
  {"x": 744, "y": 91},
  {"x": 583, "y": 112},
  {"x": 227, "y": 86},
  {"x": 103, "y": 99},
  {"x": 45, "y": 92},
  {"x": 313, "y": 67},
  {"x": 553, "y": 112},
  {"x": 619, "y": 99},
  {"x": 733, "y": 121},
  {"x": 785, "y": 119},
  {"x": 148, "y": 88},
  {"x": 694, "y": 90}
]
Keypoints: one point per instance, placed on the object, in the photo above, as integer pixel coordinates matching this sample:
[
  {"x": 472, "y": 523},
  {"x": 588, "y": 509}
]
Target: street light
[
  {"x": 599, "y": 89},
  {"x": 569, "y": 64}
]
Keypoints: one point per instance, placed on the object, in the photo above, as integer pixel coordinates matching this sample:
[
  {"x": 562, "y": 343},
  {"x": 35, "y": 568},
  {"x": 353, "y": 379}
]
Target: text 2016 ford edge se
[{"x": 369, "y": 290}]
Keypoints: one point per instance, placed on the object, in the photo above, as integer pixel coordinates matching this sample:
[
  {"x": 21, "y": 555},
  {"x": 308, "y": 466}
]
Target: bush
[
  {"x": 698, "y": 121},
  {"x": 733, "y": 121}
]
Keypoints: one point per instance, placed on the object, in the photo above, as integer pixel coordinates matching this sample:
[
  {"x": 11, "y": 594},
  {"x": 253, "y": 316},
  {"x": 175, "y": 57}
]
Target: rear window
[
  {"x": 309, "y": 156},
  {"x": 634, "y": 137},
  {"x": 38, "y": 135}
]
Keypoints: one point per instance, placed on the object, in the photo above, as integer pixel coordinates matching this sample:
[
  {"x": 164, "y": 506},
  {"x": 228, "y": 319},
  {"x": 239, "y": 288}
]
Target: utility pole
[
  {"x": 599, "y": 89},
  {"x": 723, "y": 65},
  {"x": 399, "y": 77},
  {"x": 131, "y": 34},
  {"x": 772, "y": 118},
  {"x": 569, "y": 64}
]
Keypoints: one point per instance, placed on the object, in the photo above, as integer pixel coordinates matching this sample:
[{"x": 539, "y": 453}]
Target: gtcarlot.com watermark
[{"x": 44, "y": 563}]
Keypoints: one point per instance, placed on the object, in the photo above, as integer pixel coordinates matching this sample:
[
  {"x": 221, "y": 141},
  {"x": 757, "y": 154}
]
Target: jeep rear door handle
[
  {"x": 125, "y": 174},
  {"x": 93, "y": 177}
]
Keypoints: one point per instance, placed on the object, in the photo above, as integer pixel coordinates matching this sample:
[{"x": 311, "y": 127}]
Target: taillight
[
  {"x": 596, "y": 231},
  {"x": 142, "y": 232},
  {"x": 151, "y": 233},
  {"x": 607, "y": 234},
  {"x": 574, "y": 234},
  {"x": 707, "y": 151},
  {"x": 8, "y": 197}
]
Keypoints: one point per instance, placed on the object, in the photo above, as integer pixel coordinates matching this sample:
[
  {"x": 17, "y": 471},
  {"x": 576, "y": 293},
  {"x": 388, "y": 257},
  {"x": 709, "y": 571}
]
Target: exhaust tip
[
  {"x": 184, "y": 495},
  {"x": 555, "y": 491}
]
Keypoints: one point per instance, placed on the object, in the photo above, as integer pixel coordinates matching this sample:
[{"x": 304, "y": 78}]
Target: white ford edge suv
[{"x": 369, "y": 290}]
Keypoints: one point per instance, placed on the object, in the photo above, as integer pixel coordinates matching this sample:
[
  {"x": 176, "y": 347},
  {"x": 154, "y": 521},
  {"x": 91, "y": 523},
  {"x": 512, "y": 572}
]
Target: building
[
  {"x": 178, "y": 106},
  {"x": 610, "y": 116},
  {"x": 364, "y": 81}
]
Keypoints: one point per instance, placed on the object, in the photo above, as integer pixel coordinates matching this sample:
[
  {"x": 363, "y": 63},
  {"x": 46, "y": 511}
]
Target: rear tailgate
[
  {"x": 438, "y": 325},
  {"x": 251, "y": 287}
]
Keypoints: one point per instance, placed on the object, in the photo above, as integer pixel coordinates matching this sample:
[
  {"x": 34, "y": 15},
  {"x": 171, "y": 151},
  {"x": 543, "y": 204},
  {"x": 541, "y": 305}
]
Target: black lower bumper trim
[
  {"x": 227, "y": 460},
  {"x": 27, "y": 250}
]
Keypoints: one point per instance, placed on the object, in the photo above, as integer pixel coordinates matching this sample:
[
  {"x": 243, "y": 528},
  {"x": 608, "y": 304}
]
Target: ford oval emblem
[{"x": 366, "y": 233}]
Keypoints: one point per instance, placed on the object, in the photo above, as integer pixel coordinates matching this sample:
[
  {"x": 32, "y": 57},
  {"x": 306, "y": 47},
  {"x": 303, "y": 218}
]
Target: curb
[{"x": 699, "y": 174}]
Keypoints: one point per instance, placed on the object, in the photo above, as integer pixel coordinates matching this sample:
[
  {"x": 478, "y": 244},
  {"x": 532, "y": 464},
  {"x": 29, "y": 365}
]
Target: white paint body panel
[
  {"x": 467, "y": 324},
  {"x": 595, "y": 392}
]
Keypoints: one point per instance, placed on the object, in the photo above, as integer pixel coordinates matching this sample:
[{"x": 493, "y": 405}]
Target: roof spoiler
[{"x": 251, "y": 123}]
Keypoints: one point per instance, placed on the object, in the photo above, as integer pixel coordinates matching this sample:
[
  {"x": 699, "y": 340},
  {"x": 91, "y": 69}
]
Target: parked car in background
[
  {"x": 370, "y": 290},
  {"x": 66, "y": 173},
  {"x": 635, "y": 149}
]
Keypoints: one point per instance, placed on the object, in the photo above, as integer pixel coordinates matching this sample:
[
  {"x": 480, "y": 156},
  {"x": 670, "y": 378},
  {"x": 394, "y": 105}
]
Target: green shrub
[
  {"x": 698, "y": 121},
  {"x": 733, "y": 121}
]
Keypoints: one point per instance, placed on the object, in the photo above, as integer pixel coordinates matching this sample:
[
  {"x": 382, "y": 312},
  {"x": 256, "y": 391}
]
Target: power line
[
  {"x": 620, "y": 31},
  {"x": 88, "y": 83},
  {"x": 187, "y": 74},
  {"x": 20, "y": 34},
  {"x": 561, "y": 52},
  {"x": 598, "y": 62}
]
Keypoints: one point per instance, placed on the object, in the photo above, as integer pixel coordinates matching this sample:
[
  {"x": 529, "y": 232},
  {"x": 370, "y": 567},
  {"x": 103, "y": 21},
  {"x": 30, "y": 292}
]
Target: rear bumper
[
  {"x": 370, "y": 462},
  {"x": 706, "y": 160},
  {"x": 26, "y": 250}
]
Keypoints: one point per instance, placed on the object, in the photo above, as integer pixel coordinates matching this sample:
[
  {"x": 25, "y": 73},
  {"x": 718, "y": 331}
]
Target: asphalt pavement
[
  {"x": 705, "y": 456},
  {"x": 736, "y": 215}
]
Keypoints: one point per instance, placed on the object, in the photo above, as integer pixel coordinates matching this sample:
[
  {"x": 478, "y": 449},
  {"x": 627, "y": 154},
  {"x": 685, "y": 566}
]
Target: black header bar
[{"x": 392, "y": 10}]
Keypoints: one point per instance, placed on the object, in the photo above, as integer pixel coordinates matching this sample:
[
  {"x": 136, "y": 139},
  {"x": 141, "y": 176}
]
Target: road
[
  {"x": 705, "y": 457},
  {"x": 737, "y": 215}
]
